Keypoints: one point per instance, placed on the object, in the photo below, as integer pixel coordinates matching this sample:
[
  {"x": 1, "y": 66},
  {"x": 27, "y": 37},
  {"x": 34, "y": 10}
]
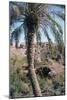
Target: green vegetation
[
  {"x": 20, "y": 85},
  {"x": 19, "y": 82}
]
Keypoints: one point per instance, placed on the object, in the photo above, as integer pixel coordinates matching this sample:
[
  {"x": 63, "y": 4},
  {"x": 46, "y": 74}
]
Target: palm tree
[{"x": 34, "y": 17}]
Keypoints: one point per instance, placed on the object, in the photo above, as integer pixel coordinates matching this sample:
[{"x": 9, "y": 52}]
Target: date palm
[{"x": 34, "y": 17}]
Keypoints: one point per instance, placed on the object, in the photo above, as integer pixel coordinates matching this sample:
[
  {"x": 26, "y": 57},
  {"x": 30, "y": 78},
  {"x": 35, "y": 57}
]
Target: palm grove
[{"x": 34, "y": 16}]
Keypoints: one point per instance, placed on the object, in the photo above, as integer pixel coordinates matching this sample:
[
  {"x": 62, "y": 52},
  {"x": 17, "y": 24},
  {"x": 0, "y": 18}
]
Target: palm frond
[
  {"x": 54, "y": 23},
  {"x": 16, "y": 33},
  {"x": 55, "y": 32},
  {"x": 38, "y": 37},
  {"x": 59, "y": 14},
  {"x": 44, "y": 28}
]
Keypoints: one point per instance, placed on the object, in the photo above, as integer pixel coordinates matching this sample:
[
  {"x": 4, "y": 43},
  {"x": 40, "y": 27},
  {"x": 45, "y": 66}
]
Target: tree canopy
[{"x": 36, "y": 16}]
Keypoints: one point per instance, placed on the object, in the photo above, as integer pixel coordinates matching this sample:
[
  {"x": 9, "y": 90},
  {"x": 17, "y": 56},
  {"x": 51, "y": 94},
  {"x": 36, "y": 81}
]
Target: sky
[{"x": 43, "y": 38}]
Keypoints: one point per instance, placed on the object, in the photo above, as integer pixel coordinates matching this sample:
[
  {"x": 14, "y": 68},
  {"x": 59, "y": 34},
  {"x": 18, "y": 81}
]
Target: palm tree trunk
[
  {"x": 30, "y": 56},
  {"x": 16, "y": 43}
]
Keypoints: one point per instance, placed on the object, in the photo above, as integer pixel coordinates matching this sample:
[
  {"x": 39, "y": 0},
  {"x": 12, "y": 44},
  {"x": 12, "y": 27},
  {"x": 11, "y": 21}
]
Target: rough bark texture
[
  {"x": 16, "y": 43},
  {"x": 30, "y": 56}
]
